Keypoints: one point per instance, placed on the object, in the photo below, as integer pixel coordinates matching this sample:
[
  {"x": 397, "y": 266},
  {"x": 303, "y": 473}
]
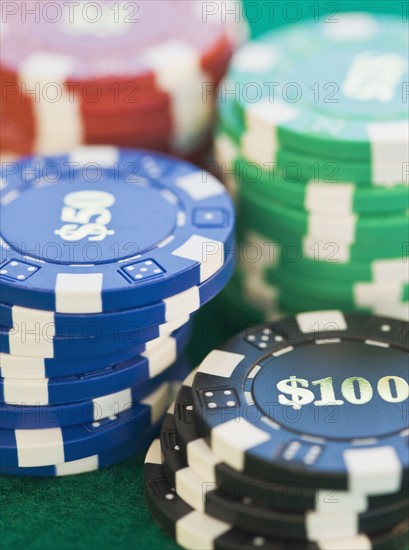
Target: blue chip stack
[{"x": 106, "y": 255}]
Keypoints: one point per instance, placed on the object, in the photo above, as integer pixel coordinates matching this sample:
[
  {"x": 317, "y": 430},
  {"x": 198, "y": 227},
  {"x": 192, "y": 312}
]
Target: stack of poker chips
[
  {"x": 132, "y": 75},
  {"x": 290, "y": 437},
  {"x": 314, "y": 144},
  {"x": 106, "y": 255}
]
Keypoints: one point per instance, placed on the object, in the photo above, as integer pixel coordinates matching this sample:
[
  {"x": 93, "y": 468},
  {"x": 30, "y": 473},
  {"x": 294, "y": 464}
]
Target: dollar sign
[
  {"x": 295, "y": 388},
  {"x": 94, "y": 232}
]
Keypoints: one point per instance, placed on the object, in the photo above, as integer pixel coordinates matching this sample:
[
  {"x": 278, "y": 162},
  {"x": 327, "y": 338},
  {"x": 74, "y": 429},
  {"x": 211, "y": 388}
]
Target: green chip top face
[{"x": 338, "y": 82}]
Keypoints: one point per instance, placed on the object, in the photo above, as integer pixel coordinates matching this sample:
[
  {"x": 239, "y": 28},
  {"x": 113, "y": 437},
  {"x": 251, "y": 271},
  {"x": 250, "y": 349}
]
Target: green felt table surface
[{"x": 106, "y": 510}]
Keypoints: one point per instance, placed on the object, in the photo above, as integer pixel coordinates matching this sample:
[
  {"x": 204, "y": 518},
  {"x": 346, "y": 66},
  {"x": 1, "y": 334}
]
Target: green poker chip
[
  {"x": 295, "y": 300},
  {"x": 390, "y": 270},
  {"x": 321, "y": 247},
  {"x": 297, "y": 166},
  {"x": 314, "y": 196},
  {"x": 385, "y": 233},
  {"x": 271, "y": 293},
  {"x": 300, "y": 166},
  {"x": 242, "y": 297},
  {"x": 355, "y": 294},
  {"x": 327, "y": 198},
  {"x": 257, "y": 250},
  {"x": 337, "y": 87}
]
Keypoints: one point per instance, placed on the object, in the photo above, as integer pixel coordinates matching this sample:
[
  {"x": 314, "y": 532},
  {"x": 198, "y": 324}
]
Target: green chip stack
[{"x": 313, "y": 142}]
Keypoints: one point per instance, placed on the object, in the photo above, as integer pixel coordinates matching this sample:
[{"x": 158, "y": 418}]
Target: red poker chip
[
  {"x": 81, "y": 50},
  {"x": 129, "y": 80}
]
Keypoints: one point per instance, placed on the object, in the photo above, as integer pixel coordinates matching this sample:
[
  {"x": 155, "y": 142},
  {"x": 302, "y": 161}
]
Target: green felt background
[{"x": 106, "y": 510}]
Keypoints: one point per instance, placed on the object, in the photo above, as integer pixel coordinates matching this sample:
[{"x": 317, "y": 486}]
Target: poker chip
[
  {"x": 349, "y": 230},
  {"x": 187, "y": 229},
  {"x": 159, "y": 313},
  {"x": 362, "y": 118},
  {"x": 16, "y": 367},
  {"x": 191, "y": 528},
  {"x": 137, "y": 376},
  {"x": 47, "y": 447},
  {"x": 360, "y": 294},
  {"x": 308, "y": 193},
  {"x": 26, "y": 344},
  {"x": 114, "y": 75},
  {"x": 325, "y": 198},
  {"x": 90, "y": 463},
  {"x": 141, "y": 396},
  {"x": 308, "y": 166},
  {"x": 231, "y": 404},
  {"x": 345, "y": 230}
]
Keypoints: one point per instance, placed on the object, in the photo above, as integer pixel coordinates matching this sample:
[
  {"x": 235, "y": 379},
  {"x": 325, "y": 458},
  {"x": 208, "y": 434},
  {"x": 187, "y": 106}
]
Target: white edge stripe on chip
[
  {"x": 325, "y": 526},
  {"x": 208, "y": 253},
  {"x": 79, "y": 292},
  {"x": 182, "y": 304},
  {"x": 32, "y": 445},
  {"x": 12, "y": 366},
  {"x": 202, "y": 459},
  {"x": 329, "y": 500},
  {"x": 154, "y": 454},
  {"x": 361, "y": 542},
  {"x": 81, "y": 466},
  {"x": 373, "y": 470},
  {"x": 198, "y": 531},
  {"x": 112, "y": 404},
  {"x": 59, "y": 125},
  {"x": 188, "y": 381},
  {"x": 161, "y": 358},
  {"x": 158, "y": 401},
  {"x": 33, "y": 319},
  {"x": 191, "y": 488},
  {"x": 231, "y": 439},
  {"x": 337, "y": 199},
  {"x": 220, "y": 363},
  {"x": 22, "y": 392},
  {"x": 321, "y": 320}
]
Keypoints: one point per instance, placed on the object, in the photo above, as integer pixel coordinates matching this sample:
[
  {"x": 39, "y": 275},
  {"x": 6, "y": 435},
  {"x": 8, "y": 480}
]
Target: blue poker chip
[
  {"x": 69, "y": 389},
  {"x": 124, "y": 228},
  {"x": 164, "y": 311},
  {"x": 44, "y": 345},
  {"x": 93, "y": 409},
  {"x": 46, "y": 447},
  {"x": 92, "y": 463},
  {"x": 13, "y": 366},
  {"x": 43, "y": 393},
  {"x": 316, "y": 399}
]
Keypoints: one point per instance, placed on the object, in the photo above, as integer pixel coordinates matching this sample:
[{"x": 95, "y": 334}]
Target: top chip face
[
  {"x": 316, "y": 399},
  {"x": 96, "y": 40},
  {"x": 105, "y": 229},
  {"x": 330, "y": 88}
]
